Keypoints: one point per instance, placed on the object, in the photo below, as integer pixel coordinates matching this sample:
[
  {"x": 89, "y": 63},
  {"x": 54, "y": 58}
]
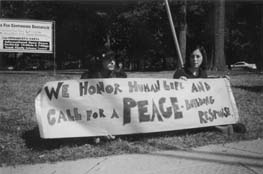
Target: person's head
[
  {"x": 120, "y": 65},
  {"x": 196, "y": 57},
  {"x": 108, "y": 61}
]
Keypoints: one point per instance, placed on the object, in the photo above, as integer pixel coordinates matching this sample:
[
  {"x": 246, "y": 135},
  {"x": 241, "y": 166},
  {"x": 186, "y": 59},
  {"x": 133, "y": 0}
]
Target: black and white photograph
[{"x": 131, "y": 86}]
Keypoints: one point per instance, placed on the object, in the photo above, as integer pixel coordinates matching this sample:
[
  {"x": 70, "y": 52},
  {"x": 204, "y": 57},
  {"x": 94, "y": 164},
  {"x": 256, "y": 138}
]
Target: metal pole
[
  {"x": 54, "y": 47},
  {"x": 174, "y": 33}
]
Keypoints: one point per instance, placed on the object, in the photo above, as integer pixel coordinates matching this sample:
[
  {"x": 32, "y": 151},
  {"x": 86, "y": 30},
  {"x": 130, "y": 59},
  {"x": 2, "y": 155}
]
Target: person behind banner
[
  {"x": 104, "y": 67},
  {"x": 195, "y": 67},
  {"x": 120, "y": 70}
]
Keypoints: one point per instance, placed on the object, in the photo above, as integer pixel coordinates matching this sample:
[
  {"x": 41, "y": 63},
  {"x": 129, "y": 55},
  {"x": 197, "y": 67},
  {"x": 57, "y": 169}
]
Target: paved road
[{"x": 244, "y": 157}]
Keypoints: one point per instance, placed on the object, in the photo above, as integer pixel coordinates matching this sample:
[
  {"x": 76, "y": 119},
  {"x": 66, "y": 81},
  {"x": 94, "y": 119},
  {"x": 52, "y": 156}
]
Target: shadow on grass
[
  {"x": 257, "y": 89},
  {"x": 34, "y": 141}
]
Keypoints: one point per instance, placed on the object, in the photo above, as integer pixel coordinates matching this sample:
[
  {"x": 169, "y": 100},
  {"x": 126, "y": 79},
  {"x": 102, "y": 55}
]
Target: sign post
[{"x": 54, "y": 48}]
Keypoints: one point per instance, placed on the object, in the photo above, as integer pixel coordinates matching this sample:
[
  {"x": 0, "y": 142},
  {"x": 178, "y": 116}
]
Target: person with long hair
[
  {"x": 103, "y": 67},
  {"x": 195, "y": 65}
]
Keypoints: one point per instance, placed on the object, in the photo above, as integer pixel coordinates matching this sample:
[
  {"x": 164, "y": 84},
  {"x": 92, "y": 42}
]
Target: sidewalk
[{"x": 245, "y": 157}]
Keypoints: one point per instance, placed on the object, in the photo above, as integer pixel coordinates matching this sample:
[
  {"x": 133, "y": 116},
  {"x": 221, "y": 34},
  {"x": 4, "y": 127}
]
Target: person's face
[
  {"x": 109, "y": 64},
  {"x": 120, "y": 65},
  {"x": 196, "y": 59}
]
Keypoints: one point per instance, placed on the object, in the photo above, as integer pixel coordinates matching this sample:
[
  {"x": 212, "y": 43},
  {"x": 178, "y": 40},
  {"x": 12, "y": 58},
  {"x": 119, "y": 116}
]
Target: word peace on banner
[{"x": 98, "y": 107}]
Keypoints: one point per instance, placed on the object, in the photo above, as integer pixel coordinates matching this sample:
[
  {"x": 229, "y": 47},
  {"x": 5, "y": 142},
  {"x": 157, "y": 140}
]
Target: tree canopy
[{"x": 139, "y": 31}]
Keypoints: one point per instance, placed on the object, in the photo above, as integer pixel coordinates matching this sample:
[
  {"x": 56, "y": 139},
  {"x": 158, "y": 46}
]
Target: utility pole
[{"x": 174, "y": 33}]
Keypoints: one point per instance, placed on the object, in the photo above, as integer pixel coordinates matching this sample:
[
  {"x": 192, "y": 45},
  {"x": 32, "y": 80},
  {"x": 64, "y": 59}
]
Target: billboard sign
[{"x": 28, "y": 36}]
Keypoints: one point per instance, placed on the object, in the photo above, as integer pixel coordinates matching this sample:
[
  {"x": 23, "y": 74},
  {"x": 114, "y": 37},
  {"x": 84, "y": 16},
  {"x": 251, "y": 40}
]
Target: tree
[
  {"x": 219, "y": 12},
  {"x": 183, "y": 29},
  {"x": 259, "y": 60},
  {"x": 144, "y": 32},
  {"x": 1, "y": 57}
]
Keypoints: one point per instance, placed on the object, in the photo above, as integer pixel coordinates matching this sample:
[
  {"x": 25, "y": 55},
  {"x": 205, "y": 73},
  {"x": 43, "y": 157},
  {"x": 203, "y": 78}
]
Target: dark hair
[
  {"x": 108, "y": 55},
  {"x": 95, "y": 63},
  {"x": 203, "y": 52}
]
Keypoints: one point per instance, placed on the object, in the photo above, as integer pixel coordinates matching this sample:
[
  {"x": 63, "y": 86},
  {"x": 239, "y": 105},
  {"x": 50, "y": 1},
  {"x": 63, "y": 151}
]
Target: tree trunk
[
  {"x": 259, "y": 60},
  {"x": 1, "y": 57},
  {"x": 219, "y": 12},
  {"x": 183, "y": 30},
  {"x": 211, "y": 32}
]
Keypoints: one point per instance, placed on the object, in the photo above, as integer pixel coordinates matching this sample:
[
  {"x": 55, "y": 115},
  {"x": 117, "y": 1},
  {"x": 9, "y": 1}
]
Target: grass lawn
[{"x": 20, "y": 142}]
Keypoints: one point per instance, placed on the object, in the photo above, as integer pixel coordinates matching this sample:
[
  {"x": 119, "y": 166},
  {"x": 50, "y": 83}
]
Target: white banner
[
  {"x": 98, "y": 107},
  {"x": 26, "y": 36}
]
